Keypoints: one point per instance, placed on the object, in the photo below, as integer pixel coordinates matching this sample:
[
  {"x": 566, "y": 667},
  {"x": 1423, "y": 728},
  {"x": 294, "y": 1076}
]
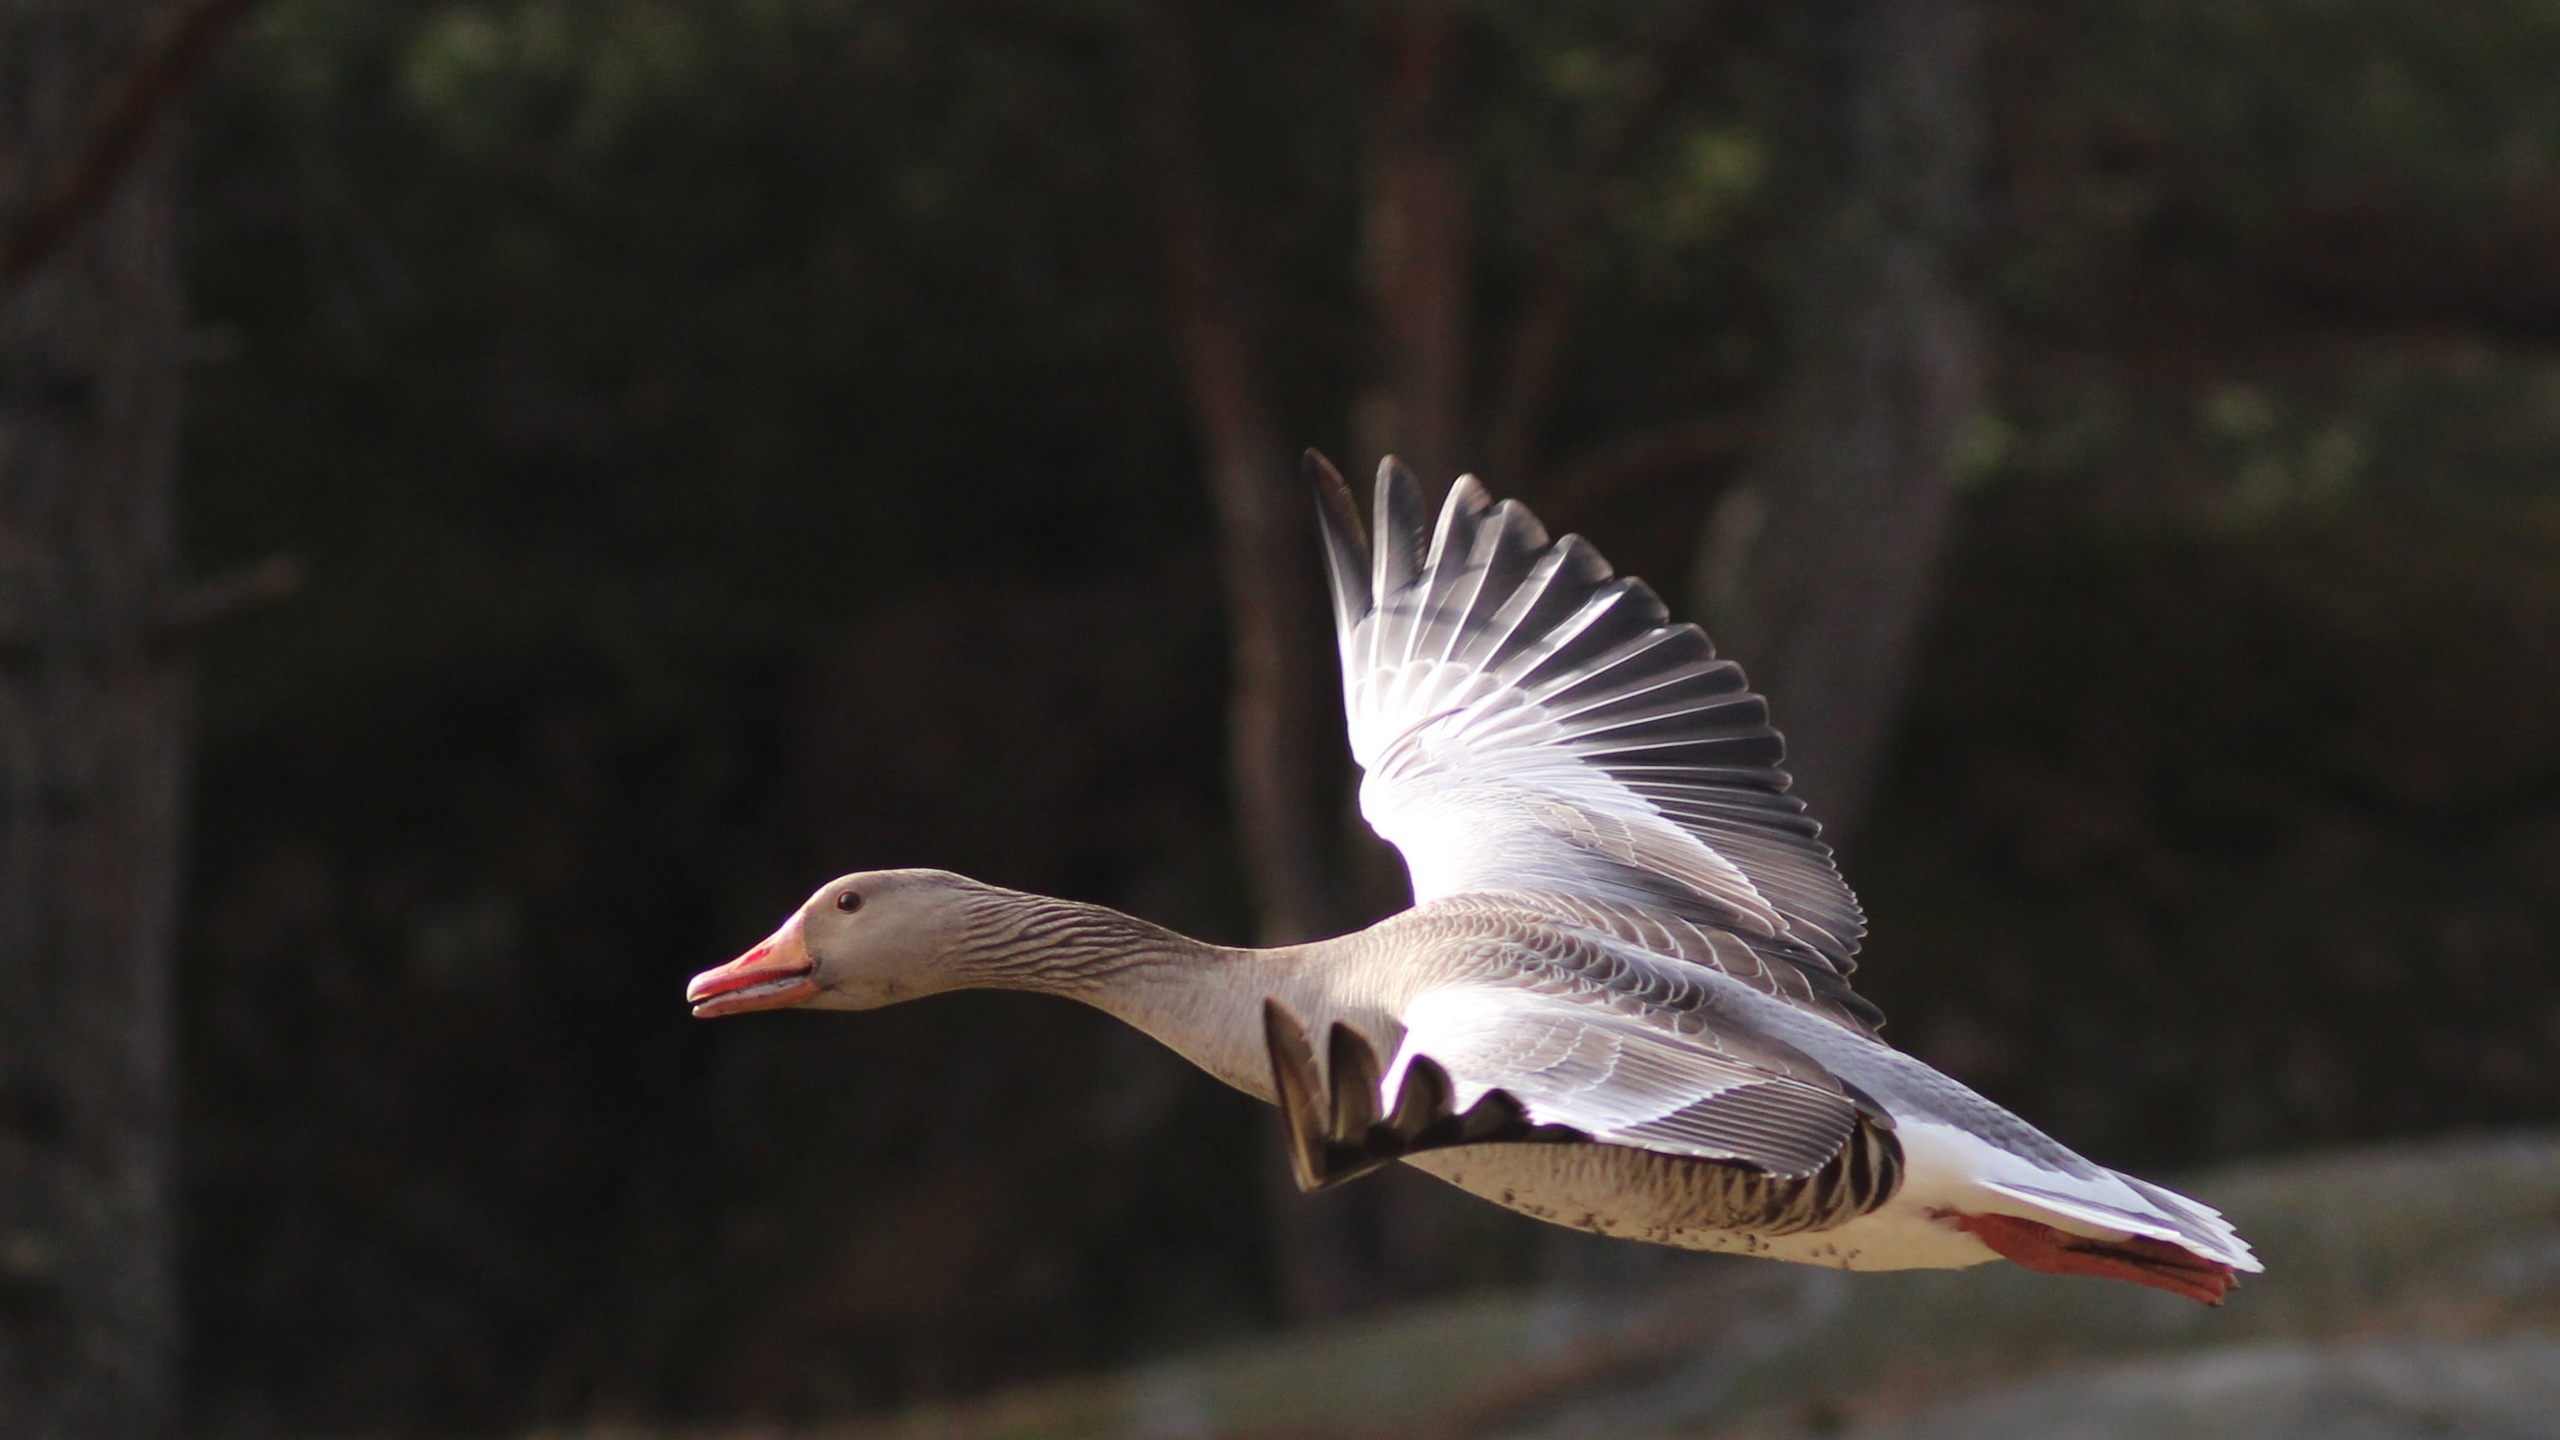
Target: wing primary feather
[
  {"x": 1396, "y": 560},
  {"x": 1346, "y": 547},
  {"x": 1547, "y": 594},
  {"x": 1600, "y": 607},
  {"x": 1693, "y": 682},
  {"x": 1424, "y": 1097},
  {"x": 1395, "y": 538},
  {"x": 1293, "y": 1077},
  {"x": 1453, "y": 540},
  {"x": 1623, "y": 610},
  {"x": 1506, "y": 553},
  {"x": 1461, "y": 602},
  {"x": 1659, "y": 655},
  {"x": 1444, "y": 569},
  {"x": 1351, "y": 1069},
  {"x": 1721, "y": 718},
  {"x": 1581, "y": 573}
]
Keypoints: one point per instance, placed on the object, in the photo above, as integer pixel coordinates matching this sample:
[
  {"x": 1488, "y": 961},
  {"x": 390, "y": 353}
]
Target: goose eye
[{"x": 849, "y": 902}]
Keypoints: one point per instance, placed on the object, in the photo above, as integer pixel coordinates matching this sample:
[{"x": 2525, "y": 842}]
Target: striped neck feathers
[{"x": 1009, "y": 940}]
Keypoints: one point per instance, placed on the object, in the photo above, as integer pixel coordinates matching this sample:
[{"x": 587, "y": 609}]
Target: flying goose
[{"x": 1621, "y": 998}]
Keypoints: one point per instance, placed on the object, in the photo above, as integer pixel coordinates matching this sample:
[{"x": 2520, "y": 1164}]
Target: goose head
[{"x": 859, "y": 943}]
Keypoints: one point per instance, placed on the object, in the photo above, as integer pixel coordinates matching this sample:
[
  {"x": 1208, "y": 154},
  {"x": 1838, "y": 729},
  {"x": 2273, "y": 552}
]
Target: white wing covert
[{"x": 1528, "y": 721}]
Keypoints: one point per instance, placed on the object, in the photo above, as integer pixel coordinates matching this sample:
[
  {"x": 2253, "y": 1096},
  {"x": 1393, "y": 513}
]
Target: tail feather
[
  {"x": 2154, "y": 1214},
  {"x": 2158, "y": 1264}
]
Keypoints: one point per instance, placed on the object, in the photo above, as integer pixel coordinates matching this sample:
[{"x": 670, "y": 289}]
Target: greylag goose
[{"x": 1621, "y": 998}]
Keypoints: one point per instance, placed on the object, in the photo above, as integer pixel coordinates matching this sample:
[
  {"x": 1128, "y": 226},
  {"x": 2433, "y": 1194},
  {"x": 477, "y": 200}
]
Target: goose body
[{"x": 1621, "y": 1000}]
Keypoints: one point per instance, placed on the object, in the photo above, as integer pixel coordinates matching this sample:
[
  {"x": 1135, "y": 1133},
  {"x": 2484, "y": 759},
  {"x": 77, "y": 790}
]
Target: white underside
[{"x": 1610, "y": 1190}]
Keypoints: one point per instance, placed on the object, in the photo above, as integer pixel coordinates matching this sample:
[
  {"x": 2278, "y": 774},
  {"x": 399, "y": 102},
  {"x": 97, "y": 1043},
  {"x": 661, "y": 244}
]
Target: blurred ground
[
  {"x": 2411, "y": 1291},
  {"x": 2354, "y": 1390}
]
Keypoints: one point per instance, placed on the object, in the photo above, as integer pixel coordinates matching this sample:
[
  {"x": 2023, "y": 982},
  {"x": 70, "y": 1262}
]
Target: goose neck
[
  {"x": 1203, "y": 1001},
  {"x": 1070, "y": 948}
]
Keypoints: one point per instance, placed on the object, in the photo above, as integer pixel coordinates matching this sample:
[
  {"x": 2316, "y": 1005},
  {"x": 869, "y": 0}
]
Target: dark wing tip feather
[
  {"x": 1333, "y": 493},
  {"x": 1521, "y": 526},
  {"x": 1346, "y": 545},
  {"x": 1398, "y": 535},
  {"x": 1453, "y": 542}
]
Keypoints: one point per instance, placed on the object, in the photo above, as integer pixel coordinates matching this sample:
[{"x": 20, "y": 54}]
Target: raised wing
[{"x": 1529, "y": 721}]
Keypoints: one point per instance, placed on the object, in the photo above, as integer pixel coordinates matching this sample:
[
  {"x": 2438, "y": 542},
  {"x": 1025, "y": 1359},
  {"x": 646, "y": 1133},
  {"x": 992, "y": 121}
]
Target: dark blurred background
[{"x": 735, "y": 442}]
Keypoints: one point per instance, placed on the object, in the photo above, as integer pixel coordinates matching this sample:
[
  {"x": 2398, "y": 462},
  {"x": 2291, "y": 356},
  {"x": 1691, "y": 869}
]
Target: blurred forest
[{"x": 736, "y": 442}]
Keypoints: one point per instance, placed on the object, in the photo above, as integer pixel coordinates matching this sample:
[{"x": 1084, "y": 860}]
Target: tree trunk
[
  {"x": 1281, "y": 713},
  {"x": 92, "y": 732},
  {"x": 1819, "y": 572},
  {"x": 1283, "y": 768},
  {"x": 1418, "y": 244}
]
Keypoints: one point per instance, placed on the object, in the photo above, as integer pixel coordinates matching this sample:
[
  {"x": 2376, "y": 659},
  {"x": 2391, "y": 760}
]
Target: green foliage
[{"x": 2275, "y": 99}]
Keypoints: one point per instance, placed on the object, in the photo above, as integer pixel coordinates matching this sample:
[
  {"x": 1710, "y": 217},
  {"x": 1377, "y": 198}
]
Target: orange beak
[{"x": 776, "y": 973}]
